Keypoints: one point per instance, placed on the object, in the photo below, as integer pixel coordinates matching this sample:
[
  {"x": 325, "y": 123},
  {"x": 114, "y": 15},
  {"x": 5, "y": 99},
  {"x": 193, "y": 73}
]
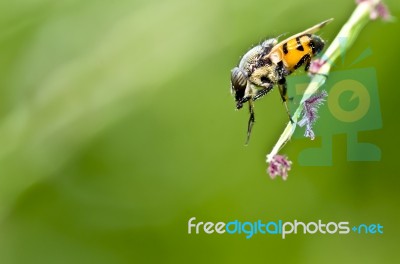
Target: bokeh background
[{"x": 117, "y": 126}]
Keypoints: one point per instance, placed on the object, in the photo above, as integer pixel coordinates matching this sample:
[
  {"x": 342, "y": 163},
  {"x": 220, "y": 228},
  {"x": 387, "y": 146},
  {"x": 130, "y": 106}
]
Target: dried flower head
[
  {"x": 279, "y": 165},
  {"x": 310, "y": 113},
  {"x": 315, "y": 66},
  {"x": 379, "y": 11}
]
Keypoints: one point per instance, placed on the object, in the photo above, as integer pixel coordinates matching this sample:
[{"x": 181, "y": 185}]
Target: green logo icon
[{"x": 352, "y": 106}]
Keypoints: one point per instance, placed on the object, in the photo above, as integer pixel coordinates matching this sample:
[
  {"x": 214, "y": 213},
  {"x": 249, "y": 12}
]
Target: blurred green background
[{"x": 117, "y": 126}]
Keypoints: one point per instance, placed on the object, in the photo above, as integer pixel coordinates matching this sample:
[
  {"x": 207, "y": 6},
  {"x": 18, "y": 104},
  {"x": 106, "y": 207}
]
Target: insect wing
[{"x": 310, "y": 30}]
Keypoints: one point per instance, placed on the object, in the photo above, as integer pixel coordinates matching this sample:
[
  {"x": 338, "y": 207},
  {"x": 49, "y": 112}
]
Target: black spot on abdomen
[
  {"x": 284, "y": 48},
  {"x": 301, "y": 48}
]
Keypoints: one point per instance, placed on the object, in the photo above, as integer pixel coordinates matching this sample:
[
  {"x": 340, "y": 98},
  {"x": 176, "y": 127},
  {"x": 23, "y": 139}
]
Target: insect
[{"x": 267, "y": 65}]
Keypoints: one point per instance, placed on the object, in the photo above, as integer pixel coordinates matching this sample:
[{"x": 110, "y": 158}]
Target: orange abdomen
[{"x": 299, "y": 50}]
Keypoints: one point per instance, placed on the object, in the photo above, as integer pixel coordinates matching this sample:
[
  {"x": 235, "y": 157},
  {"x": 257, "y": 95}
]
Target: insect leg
[
  {"x": 283, "y": 89},
  {"x": 262, "y": 92},
  {"x": 248, "y": 94},
  {"x": 282, "y": 85},
  {"x": 308, "y": 63},
  {"x": 251, "y": 121},
  {"x": 239, "y": 104}
]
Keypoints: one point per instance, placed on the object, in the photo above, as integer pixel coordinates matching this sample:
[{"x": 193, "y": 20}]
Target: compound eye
[
  {"x": 238, "y": 79},
  {"x": 238, "y": 82}
]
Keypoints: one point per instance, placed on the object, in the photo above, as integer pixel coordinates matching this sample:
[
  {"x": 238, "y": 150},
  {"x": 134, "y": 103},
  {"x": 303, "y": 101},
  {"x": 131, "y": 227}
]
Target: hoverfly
[{"x": 268, "y": 64}]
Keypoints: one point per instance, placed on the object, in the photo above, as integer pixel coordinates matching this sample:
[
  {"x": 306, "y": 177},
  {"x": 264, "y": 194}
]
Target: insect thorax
[
  {"x": 249, "y": 60},
  {"x": 264, "y": 75}
]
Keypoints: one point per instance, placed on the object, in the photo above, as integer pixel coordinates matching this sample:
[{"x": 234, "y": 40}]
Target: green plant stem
[{"x": 342, "y": 42}]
